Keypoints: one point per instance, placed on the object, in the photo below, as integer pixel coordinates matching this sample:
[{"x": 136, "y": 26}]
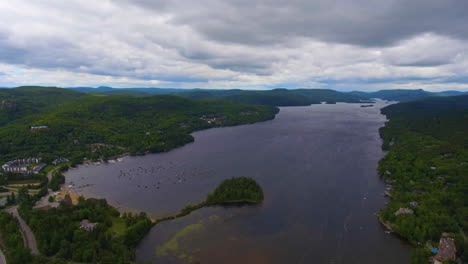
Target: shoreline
[
  {"x": 124, "y": 209},
  {"x": 120, "y": 158},
  {"x": 388, "y": 229},
  {"x": 128, "y": 154}
]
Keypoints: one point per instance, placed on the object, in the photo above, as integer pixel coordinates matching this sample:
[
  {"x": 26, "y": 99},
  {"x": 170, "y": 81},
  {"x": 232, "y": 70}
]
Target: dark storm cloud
[
  {"x": 424, "y": 63},
  {"x": 232, "y": 43},
  {"x": 43, "y": 53},
  {"x": 236, "y": 62},
  {"x": 359, "y": 22}
]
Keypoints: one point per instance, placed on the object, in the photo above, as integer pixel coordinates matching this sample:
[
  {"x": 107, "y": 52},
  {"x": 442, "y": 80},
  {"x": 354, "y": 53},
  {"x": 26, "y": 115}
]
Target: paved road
[
  {"x": 28, "y": 236},
  {"x": 2, "y": 258}
]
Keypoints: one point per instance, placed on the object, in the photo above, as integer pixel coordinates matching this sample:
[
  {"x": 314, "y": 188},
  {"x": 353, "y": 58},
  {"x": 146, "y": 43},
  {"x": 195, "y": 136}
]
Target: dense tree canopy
[
  {"x": 277, "y": 97},
  {"x": 99, "y": 126},
  {"x": 236, "y": 190},
  {"x": 427, "y": 165},
  {"x": 59, "y": 235}
]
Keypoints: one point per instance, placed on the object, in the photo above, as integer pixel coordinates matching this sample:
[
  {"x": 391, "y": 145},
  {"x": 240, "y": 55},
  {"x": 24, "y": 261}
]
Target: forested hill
[
  {"x": 98, "y": 126},
  {"x": 275, "y": 97},
  {"x": 404, "y": 95},
  {"x": 278, "y": 97},
  {"x": 22, "y": 101},
  {"x": 427, "y": 166},
  {"x": 444, "y": 118}
]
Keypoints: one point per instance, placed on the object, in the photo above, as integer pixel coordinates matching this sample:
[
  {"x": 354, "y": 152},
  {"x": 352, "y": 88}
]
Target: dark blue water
[{"x": 316, "y": 165}]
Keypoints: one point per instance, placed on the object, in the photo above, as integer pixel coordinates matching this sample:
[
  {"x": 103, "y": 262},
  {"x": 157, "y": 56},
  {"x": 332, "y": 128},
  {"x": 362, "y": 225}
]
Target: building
[
  {"x": 3, "y": 201},
  {"x": 403, "y": 211},
  {"x": 35, "y": 128},
  {"x": 59, "y": 160},
  {"x": 210, "y": 119},
  {"x": 446, "y": 251},
  {"x": 38, "y": 168},
  {"x": 22, "y": 166},
  {"x": 87, "y": 226}
]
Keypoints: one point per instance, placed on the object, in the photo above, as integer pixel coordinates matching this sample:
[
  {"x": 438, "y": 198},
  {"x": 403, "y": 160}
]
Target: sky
[{"x": 249, "y": 44}]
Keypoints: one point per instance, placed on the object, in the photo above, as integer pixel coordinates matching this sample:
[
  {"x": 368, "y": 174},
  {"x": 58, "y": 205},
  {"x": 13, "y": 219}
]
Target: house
[
  {"x": 403, "y": 210},
  {"x": 59, "y": 160},
  {"x": 38, "y": 168},
  {"x": 35, "y": 128},
  {"x": 87, "y": 226},
  {"x": 211, "y": 119},
  {"x": 446, "y": 251},
  {"x": 3, "y": 201},
  {"x": 414, "y": 204},
  {"x": 22, "y": 165}
]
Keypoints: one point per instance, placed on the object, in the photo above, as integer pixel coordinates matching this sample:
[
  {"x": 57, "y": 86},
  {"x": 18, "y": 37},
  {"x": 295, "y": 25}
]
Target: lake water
[{"x": 316, "y": 165}]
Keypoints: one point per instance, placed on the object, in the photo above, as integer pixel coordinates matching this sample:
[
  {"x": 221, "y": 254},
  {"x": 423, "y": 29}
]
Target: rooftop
[{"x": 447, "y": 250}]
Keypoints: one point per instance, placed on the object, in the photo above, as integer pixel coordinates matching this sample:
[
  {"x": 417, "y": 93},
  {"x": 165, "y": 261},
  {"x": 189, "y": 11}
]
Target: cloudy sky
[{"x": 256, "y": 44}]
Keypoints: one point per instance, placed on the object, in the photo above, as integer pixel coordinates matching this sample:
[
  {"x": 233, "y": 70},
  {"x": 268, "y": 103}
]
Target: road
[
  {"x": 50, "y": 173},
  {"x": 2, "y": 258},
  {"x": 28, "y": 236}
]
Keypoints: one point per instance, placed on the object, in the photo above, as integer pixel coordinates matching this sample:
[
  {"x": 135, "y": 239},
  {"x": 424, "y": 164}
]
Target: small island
[
  {"x": 240, "y": 190},
  {"x": 236, "y": 190}
]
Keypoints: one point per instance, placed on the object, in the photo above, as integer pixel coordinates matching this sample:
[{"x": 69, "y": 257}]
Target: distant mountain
[
  {"x": 91, "y": 89},
  {"x": 404, "y": 94},
  {"x": 452, "y": 93},
  {"x": 277, "y": 97},
  {"x": 395, "y": 95},
  {"x": 127, "y": 91}
]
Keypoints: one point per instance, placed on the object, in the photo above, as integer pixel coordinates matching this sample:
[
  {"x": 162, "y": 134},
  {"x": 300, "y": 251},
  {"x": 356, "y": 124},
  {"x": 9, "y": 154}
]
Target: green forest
[
  {"x": 12, "y": 240},
  {"x": 12, "y": 245},
  {"x": 59, "y": 235},
  {"x": 278, "y": 97},
  {"x": 427, "y": 167},
  {"x": 241, "y": 190},
  {"x": 236, "y": 190},
  {"x": 79, "y": 127},
  {"x": 94, "y": 126},
  {"x": 274, "y": 97}
]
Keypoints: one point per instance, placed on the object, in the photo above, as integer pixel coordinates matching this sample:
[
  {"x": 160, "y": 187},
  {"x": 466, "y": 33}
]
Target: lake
[{"x": 316, "y": 165}]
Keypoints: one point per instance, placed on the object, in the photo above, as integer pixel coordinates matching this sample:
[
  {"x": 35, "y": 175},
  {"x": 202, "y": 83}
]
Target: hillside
[
  {"x": 427, "y": 166},
  {"x": 404, "y": 95},
  {"x": 97, "y": 126},
  {"x": 277, "y": 97},
  {"x": 127, "y": 91},
  {"x": 22, "y": 101}
]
